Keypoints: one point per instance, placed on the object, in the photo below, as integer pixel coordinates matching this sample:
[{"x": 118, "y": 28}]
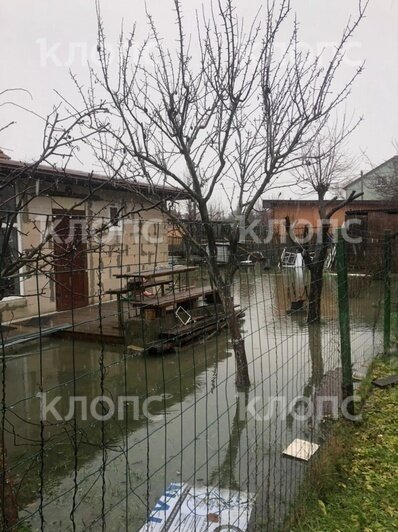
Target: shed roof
[
  {"x": 269, "y": 204},
  {"x": 20, "y": 170}
]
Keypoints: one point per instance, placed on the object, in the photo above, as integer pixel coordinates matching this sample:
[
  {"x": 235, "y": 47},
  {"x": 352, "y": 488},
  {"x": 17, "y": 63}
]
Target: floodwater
[{"x": 88, "y": 474}]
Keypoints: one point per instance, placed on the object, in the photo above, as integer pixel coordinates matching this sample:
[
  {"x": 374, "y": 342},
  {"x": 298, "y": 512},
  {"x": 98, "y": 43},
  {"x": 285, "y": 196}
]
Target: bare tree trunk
[
  {"x": 315, "y": 296},
  {"x": 223, "y": 284},
  {"x": 316, "y": 269},
  {"x": 317, "y": 264},
  {"x": 315, "y": 345},
  {"x": 242, "y": 370}
]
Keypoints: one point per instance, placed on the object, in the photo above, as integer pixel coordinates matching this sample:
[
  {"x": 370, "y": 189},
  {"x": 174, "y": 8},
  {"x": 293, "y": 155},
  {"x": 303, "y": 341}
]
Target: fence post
[
  {"x": 344, "y": 319},
  {"x": 387, "y": 290}
]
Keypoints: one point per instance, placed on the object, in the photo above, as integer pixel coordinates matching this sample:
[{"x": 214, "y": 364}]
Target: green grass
[{"x": 353, "y": 483}]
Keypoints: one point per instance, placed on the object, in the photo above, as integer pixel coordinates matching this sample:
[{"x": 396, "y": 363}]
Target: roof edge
[
  {"x": 394, "y": 157},
  {"x": 43, "y": 170}
]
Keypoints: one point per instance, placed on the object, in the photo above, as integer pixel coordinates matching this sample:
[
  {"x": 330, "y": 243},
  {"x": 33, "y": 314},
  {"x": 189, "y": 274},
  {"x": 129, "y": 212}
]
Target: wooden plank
[
  {"x": 386, "y": 381},
  {"x": 190, "y": 327},
  {"x": 93, "y": 336},
  {"x": 174, "y": 300},
  {"x": 153, "y": 284},
  {"x": 136, "y": 348},
  {"x": 139, "y": 286},
  {"x": 117, "y": 291},
  {"x": 22, "y": 338},
  {"x": 151, "y": 274}
]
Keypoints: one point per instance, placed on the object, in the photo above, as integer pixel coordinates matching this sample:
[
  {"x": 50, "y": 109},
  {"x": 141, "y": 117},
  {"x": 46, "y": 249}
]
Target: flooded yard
[{"x": 84, "y": 473}]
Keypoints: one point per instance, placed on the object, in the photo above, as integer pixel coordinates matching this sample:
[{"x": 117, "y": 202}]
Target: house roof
[
  {"x": 19, "y": 169},
  {"x": 393, "y": 159},
  {"x": 269, "y": 204},
  {"x": 388, "y": 208}
]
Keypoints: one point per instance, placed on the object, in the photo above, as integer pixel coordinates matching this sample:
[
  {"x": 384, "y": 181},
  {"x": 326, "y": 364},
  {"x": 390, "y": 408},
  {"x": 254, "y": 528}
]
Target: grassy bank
[{"x": 353, "y": 483}]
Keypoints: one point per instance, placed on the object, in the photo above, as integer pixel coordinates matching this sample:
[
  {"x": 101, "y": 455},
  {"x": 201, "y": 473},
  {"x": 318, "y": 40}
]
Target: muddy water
[{"x": 85, "y": 472}]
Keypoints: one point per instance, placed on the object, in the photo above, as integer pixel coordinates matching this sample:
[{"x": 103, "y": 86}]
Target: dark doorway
[{"x": 70, "y": 261}]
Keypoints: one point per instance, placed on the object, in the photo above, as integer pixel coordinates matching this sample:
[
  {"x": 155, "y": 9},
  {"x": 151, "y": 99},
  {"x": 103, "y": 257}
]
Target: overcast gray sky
[{"x": 42, "y": 39}]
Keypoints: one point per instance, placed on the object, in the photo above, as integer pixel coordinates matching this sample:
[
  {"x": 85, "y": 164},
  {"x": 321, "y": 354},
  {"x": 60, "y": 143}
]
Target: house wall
[
  {"x": 367, "y": 253},
  {"x": 300, "y": 216},
  {"x": 379, "y": 222},
  {"x": 374, "y": 223},
  {"x": 32, "y": 223},
  {"x": 139, "y": 243},
  {"x": 380, "y": 216},
  {"x": 364, "y": 185},
  {"x": 367, "y": 182}
]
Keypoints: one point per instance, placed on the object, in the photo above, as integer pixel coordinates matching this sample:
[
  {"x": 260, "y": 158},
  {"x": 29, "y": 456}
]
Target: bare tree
[
  {"x": 222, "y": 105},
  {"x": 325, "y": 164},
  {"x": 386, "y": 185},
  {"x": 216, "y": 212}
]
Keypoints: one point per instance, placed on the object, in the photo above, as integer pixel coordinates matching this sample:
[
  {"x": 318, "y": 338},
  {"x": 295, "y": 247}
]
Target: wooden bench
[
  {"x": 157, "y": 302},
  {"x": 171, "y": 301},
  {"x": 137, "y": 287},
  {"x": 118, "y": 291},
  {"x": 132, "y": 290}
]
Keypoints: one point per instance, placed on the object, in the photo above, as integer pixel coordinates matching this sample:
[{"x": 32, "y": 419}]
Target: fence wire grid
[{"x": 128, "y": 386}]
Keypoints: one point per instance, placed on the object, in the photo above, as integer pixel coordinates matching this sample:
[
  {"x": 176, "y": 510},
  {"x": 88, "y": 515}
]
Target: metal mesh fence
[{"x": 126, "y": 391}]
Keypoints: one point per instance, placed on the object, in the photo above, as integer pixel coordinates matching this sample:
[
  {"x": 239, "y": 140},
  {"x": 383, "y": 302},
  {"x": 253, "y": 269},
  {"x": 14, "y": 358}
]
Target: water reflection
[{"x": 224, "y": 476}]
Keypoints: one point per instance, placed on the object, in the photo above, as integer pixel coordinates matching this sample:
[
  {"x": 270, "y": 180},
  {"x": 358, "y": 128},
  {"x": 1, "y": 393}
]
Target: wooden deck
[
  {"x": 30, "y": 336},
  {"x": 93, "y": 323}
]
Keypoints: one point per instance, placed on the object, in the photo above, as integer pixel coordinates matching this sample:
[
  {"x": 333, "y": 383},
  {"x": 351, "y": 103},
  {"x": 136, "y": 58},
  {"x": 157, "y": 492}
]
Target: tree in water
[
  {"x": 222, "y": 106},
  {"x": 325, "y": 164}
]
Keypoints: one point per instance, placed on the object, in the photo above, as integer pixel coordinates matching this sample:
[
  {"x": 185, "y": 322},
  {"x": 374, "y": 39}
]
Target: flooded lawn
[{"x": 84, "y": 472}]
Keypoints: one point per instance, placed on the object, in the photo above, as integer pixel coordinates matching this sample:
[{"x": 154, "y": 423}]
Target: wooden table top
[{"x": 153, "y": 273}]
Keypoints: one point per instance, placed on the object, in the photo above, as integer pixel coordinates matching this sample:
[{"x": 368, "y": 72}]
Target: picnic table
[
  {"x": 150, "y": 277},
  {"x": 138, "y": 282}
]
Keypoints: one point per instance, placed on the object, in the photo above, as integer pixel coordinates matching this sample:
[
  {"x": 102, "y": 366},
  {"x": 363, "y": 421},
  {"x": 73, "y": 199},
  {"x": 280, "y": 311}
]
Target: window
[
  {"x": 9, "y": 286},
  {"x": 8, "y": 201},
  {"x": 116, "y": 221},
  {"x": 115, "y": 217}
]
